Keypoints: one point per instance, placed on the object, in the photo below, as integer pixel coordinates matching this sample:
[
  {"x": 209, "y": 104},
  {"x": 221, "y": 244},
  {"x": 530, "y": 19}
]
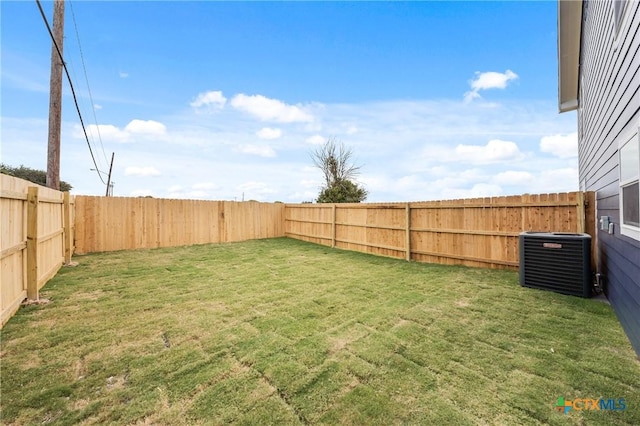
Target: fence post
[
  {"x": 333, "y": 226},
  {"x": 524, "y": 199},
  {"x": 408, "y": 231},
  {"x": 222, "y": 228},
  {"x": 580, "y": 213},
  {"x": 67, "y": 228},
  {"x": 32, "y": 243}
]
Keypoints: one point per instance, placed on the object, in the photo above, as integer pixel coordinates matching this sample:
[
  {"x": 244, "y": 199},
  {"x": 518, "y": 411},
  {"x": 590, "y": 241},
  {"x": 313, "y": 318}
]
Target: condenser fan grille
[{"x": 558, "y": 262}]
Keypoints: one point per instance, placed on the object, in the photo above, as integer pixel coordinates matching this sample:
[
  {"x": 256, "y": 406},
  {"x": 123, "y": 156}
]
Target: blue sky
[{"x": 214, "y": 100}]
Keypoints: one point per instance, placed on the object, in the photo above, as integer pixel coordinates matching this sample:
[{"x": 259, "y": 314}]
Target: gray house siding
[{"x": 609, "y": 106}]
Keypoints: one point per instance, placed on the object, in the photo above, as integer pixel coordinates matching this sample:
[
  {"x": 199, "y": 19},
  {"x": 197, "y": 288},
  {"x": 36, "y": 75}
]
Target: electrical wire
[
  {"x": 93, "y": 108},
  {"x": 74, "y": 75},
  {"x": 73, "y": 92}
]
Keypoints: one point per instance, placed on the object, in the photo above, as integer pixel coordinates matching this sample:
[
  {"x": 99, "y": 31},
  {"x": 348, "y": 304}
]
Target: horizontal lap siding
[
  {"x": 609, "y": 106},
  {"x": 625, "y": 299}
]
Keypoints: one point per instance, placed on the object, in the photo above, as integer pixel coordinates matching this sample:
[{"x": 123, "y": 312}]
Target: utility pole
[
  {"x": 55, "y": 98},
  {"x": 109, "y": 177}
]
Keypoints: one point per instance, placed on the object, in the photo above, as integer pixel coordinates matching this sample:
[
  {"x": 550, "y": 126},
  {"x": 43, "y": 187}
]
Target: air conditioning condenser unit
[{"x": 556, "y": 261}]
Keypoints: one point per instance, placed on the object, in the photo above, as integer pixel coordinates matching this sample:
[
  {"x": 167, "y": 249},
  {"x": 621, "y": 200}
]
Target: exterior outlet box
[{"x": 604, "y": 223}]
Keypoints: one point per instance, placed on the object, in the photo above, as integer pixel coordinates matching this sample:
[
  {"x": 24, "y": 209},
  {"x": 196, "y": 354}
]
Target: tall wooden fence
[
  {"x": 36, "y": 238},
  {"x": 114, "y": 223},
  {"x": 38, "y": 232},
  {"x": 475, "y": 232}
]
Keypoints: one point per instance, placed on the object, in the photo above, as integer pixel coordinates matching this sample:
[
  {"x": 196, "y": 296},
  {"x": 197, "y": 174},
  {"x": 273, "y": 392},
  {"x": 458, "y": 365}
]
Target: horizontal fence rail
[
  {"x": 118, "y": 223},
  {"x": 36, "y": 239},
  {"x": 474, "y": 232}
]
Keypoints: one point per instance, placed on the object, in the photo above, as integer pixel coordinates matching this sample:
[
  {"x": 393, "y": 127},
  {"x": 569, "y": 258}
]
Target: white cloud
[
  {"x": 494, "y": 151},
  {"x": 267, "y": 109},
  {"x": 211, "y": 98},
  {"x": 476, "y": 191},
  {"x": 205, "y": 185},
  {"x": 97, "y": 106},
  {"x": 254, "y": 190},
  {"x": 141, "y": 171},
  {"x": 148, "y": 127},
  {"x": 111, "y": 133},
  {"x": 310, "y": 183},
  {"x": 269, "y": 133},
  {"x": 191, "y": 195},
  {"x": 488, "y": 80},
  {"x": 315, "y": 140},
  {"x": 260, "y": 150},
  {"x": 470, "y": 96},
  {"x": 407, "y": 149},
  {"x": 492, "y": 80},
  {"x": 511, "y": 177},
  {"x": 556, "y": 180},
  {"x": 123, "y": 74},
  {"x": 106, "y": 132},
  {"x": 563, "y": 146},
  {"x": 198, "y": 191}
]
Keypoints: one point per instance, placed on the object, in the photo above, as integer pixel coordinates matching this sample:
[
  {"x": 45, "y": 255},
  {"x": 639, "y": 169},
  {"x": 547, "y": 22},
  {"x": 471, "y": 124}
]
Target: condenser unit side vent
[{"x": 555, "y": 261}]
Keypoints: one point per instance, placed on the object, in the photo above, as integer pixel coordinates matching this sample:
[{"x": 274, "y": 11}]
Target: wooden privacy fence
[
  {"x": 474, "y": 232},
  {"x": 38, "y": 232},
  {"x": 114, "y": 223},
  {"x": 36, "y": 239}
]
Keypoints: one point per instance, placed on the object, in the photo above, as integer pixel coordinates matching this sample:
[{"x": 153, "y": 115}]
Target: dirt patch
[
  {"x": 79, "y": 404},
  {"x": 164, "y": 399},
  {"x": 340, "y": 342},
  {"x": 350, "y": 386},
  {"x": 94, "y": 295},
  {"x": 239, "y": 367},
  {"x": 462, "y": 304},
  {"x": 80, "y": 369},
  {"x": 116, "y": 382},
  {"x": 31, "y": 361},
  {"x": 403, "y": 322},
  {"x": 264, "y": 391},
  {"x": 41, "y": 301}
]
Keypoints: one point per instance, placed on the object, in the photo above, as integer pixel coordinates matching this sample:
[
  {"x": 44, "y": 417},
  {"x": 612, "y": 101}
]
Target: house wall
[{"x": 609, "y": 107}]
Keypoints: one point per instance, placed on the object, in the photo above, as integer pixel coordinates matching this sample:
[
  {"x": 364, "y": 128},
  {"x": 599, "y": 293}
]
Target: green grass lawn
[{"x": 284, "y": 332}]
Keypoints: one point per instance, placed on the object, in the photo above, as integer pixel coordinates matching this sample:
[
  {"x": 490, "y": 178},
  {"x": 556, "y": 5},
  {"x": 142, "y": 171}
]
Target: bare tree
[{"x": 335, "y": 162}]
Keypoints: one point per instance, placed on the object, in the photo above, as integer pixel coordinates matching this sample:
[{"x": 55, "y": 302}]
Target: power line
[
  {"x": 93, "y": 108},
  {"x": 73, "y": 92},
  {"x": 74, "y": 75}
]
